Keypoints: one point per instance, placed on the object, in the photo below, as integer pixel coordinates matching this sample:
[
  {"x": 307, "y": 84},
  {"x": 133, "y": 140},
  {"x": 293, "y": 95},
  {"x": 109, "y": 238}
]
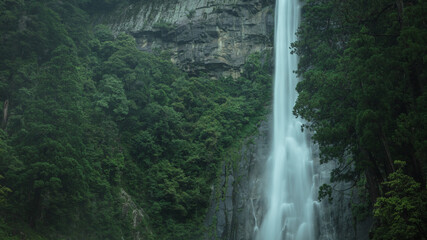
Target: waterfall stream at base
[{"x": 289, "y": 178}]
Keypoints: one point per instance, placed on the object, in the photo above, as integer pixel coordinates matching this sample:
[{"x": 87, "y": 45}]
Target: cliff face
[
  {"x": 209, "y": 36},
  {"x": 238, "y": 204},
  {"x": 336, "y": 218},
  {"x": 215, "y": 37}
]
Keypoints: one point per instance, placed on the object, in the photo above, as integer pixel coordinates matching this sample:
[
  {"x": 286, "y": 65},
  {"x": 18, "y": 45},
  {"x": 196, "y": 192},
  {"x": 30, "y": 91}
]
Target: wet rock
[
  {"x": 336, "y": 220},
  {"x": 237, "y": 205}
]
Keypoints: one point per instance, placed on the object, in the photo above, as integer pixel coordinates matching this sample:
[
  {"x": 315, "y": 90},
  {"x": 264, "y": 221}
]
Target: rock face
[
  {"x": 237, "y": 204},
  {"x": 137, "y": 216},
  {"x": 202, "y": 36},
  {"x": 336, "y": 220}
]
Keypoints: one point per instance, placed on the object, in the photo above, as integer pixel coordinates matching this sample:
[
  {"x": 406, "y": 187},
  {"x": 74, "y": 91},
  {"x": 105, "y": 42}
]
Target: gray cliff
[
  {"x": 237, "y": 205},
  {"x": 336, "y": 218},
  {"x": 202, "y": 36}
]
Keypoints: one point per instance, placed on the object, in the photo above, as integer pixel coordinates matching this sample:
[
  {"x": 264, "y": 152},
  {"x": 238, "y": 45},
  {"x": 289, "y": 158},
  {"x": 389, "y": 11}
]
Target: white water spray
[{"x": 289, "y": 192}]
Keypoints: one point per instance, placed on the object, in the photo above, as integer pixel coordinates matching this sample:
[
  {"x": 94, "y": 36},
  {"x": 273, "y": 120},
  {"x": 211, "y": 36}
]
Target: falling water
[{"x": 289, "y": 190}]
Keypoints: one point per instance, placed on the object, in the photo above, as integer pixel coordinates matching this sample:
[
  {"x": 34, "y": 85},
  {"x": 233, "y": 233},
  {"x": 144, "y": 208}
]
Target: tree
[
  {"x": 361, "y": 66},
  {"x": 400, "y": 212}
]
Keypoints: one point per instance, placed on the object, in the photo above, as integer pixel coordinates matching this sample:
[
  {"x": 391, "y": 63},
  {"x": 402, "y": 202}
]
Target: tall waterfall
[{"x": 289, "y": 190}]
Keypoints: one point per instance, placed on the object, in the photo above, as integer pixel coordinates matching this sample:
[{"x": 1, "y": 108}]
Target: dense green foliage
[
  {"x": 401, "y": 212},
  {"x": 85, "y": 115},
  {"x": 363, "y": 69}
]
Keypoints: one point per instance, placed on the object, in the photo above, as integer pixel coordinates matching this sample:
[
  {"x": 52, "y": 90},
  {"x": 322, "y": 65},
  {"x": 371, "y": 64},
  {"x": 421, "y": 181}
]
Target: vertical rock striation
[
  {"x": 336, "y": 219},
  {"x": 237, "y": 205},
  {"x": 202, "y": 36}
]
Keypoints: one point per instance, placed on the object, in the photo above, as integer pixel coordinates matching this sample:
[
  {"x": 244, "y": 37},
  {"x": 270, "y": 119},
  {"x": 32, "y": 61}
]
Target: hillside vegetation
[
  {"x": 85, "y": 115},
  {"x": 363, "y": 69}
]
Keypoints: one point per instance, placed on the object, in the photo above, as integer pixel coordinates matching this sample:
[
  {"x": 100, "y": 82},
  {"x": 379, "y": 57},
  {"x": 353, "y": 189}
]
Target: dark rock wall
[
  {"x": 336, "y": 218},
  {"x": 201, "y": 35},
  {"x": 238, "y": 203},
  {"x": 237, "y": 206}
]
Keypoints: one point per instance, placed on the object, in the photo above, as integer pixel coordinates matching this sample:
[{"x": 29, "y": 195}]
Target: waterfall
[{"x": 290, "y": 186}]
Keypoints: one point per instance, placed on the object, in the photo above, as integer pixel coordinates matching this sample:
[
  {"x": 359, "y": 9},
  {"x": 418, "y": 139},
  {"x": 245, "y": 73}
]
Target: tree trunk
[
  {"x": 5, "y": 112},
  {"x": 373, "y": 177},
  {"x": 372, "y": 184},
  {"x": 389, "y": 163},
  {"x": 399, "y": 6}
]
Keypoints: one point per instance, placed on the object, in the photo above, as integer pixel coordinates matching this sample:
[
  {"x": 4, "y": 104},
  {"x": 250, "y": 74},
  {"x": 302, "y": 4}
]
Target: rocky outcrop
[
  {"x": 136, "y": 215},
  {"x": 202, "y": 36}
]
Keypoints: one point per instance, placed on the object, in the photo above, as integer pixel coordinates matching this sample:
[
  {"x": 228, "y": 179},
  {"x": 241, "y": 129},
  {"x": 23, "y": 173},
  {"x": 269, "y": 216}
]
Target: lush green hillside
[
  {"x": 363, "y": 65},
  {"x": 85, "y": 114}
]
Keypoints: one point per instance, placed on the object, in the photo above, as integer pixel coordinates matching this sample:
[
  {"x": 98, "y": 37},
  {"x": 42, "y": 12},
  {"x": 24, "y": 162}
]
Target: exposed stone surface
[
  {"x": 335, "y": 218},
  {"x": 136, "y": 214},
  {"x": 238, "y": 204},
  {"x": 237, "y": 210},
  {"x": 212, "y": 36}
]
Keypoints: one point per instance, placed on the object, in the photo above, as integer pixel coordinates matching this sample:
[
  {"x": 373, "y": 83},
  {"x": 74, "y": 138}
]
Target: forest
[
  {"x": 363, "y": 71},
  {"x": 86, "y": 117}
]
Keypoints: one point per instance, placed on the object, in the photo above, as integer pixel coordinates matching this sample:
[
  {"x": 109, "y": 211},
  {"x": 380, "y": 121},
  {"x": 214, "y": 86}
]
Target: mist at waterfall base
[{"x": 289, "y": 175}]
